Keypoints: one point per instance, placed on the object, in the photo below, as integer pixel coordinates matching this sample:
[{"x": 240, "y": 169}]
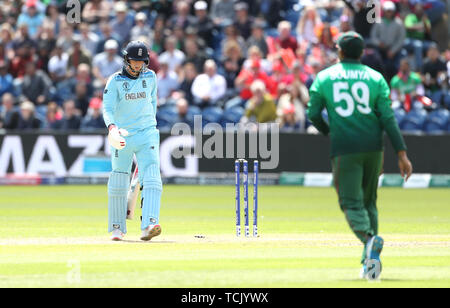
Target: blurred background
[{"x": 229, "y": 61}]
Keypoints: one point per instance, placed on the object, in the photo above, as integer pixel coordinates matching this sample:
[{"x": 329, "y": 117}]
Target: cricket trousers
[
  {"x": 145, "y": 145},
  {"x": 355, "y": 178}
]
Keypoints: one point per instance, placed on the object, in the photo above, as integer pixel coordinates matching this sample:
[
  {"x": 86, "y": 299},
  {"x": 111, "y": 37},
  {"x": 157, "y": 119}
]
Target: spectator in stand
[
  {"x": 58, "y": 64},
  {"x": 222, "y": 11},
  {"x": 23, "y": 38},
  {"x": 232, "y": 34},
  {"x": 53, "y": 117},
  {"x": 106, "y": 63},
  {"x": 158, "y": 35},
  {"x": 389, "y": 36},
  {"x": 194, "y": 55},
  {"x": 316, "y": 68},
  {"x": 31, "y": 17},
  {"x": 418, "y": 31},
  {"x": 406, "y": 85},
  {"x": 326, "y": 36},
  {"x": 163, "y": 8},
  {"x": 6, "y": 39},
  {"x": 372, "y": 58},
  {"x": 77, "y": 56},
  {"x": 261, "y": 107},
  {"x": 288, "y": 121},
  {"x": 94, "y": 118},
  {"x": 81, "y": 98},
  {"x": 308, "y": 22},
  {"x": 6, "y": 80},
  {"x": 296, "y": 98},
  {"x": 71, "y": 120},
  {"x": 89, "y": 39},
  {"x": 285, "y": 39},
  {"x": 27, "y": 119},
  {"x": 188, "y": 75},
  {"x": 182, "y": 109},
  {"x": 22, "y": 57},
  {"x": 255, "y": 54},
  {"x": 232, "y": 63},
  {"x": 106, "y": 35},
  {"x": 53, "y": 17},
  {"x": 67, "y": 89},
  {"x": 208, "y": 87},
  {"x": 36, "y": 85},
  {"x": 96, "y": 10},
  {"x": 246, "y": 78},
  {"x": 434, "y": 70},
  {"x": 66, "y": 35},
  {"x": 167, "y": 82},
  {"x": 258, "y": 39},
  {"x": 141, "y": 28},
  {"x": 182, "y": 18},
  {"x": 363, "y": 17},
  {"x": 203, "y": 23},
  {"x": 344, "y": 25},
  {"x": 121, "y": 25},
  {"x": 45, "y": 47},
  {"x": 243, "y": 21},
  {"x": 9, "y": 117},
  {"x": 403, "y": 8},
  {"x": 172, "y": 56}
]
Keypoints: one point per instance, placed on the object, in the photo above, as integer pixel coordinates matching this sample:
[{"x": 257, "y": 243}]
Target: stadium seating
[
  {"x": 437, "y": 121},
  {"x": 212, "y": 115},
  {"x": 413, "y": 122},
  {"x": 166, "y": 117},
  {"x": 446, "y": 101},
  {"x": 399, "y": 114},
  {"x": 191, "y": 113},
  {"x": 232, "y": 115}
]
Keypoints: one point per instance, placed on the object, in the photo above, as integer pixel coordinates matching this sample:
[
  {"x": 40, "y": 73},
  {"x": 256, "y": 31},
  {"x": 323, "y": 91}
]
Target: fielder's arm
[
  {"x": 315, "y": 106},
  {"x": 386, "y": 116}
]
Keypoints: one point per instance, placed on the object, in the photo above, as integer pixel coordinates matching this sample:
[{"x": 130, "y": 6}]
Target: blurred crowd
[{"x": 229, "y": 61}]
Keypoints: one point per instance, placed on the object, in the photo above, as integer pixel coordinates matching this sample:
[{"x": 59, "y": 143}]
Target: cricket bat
[{"x": 133, "y": 194}]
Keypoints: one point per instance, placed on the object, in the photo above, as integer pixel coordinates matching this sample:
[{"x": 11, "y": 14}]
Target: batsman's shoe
[
  {"x": 117, "y": 235},
  {"x": 150, "y": 232},
  {"x": 373, "y": 261}
]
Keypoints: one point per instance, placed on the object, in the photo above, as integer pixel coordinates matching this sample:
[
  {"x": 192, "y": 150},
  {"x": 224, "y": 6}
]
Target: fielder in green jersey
[{"x": 356, "y": 98}]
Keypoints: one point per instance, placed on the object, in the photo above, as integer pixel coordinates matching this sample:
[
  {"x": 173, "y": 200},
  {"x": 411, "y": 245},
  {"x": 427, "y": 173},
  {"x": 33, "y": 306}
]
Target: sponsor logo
[
  {"x": 116, "y": 226},
  {"x": 126, "y": 86}
]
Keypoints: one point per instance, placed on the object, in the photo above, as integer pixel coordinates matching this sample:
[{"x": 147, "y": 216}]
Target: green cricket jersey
[{"x": 356, "y": 98}]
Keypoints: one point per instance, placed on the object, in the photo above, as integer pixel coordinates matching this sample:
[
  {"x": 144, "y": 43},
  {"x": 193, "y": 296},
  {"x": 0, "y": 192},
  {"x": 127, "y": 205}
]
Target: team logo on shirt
[
  {"x": 126, "y": 86},
  {"x": 144, "y": 84}
]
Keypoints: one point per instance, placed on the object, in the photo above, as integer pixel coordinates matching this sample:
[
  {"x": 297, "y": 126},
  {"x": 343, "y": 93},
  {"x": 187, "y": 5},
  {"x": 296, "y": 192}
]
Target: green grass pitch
[{"x": 56, "y": 236}]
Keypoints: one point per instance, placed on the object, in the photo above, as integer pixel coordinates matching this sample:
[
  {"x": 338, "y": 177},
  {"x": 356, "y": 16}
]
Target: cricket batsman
[
  {"x": 129, "y": 110},
  {"x": 356, "y": 98}
]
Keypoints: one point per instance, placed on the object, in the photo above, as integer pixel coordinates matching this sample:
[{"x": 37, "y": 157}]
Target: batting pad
[
  {"x": 151, "y": 196},
  {"x": 117, "y": 201}
]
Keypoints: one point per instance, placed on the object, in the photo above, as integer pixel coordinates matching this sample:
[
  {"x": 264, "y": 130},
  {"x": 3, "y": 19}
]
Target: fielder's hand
[
  {"x": 404, "y": 165},
  {"x": 115, "y": 137}
]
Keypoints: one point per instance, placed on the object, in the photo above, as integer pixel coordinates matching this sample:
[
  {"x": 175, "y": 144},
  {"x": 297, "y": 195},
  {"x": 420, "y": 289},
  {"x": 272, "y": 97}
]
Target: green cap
[{"x": 351, "y": 43}]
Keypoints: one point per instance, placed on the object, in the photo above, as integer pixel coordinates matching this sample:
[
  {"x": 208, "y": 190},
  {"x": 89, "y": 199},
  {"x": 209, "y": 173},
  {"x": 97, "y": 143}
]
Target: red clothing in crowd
[{"x": 251, "y": 76}]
